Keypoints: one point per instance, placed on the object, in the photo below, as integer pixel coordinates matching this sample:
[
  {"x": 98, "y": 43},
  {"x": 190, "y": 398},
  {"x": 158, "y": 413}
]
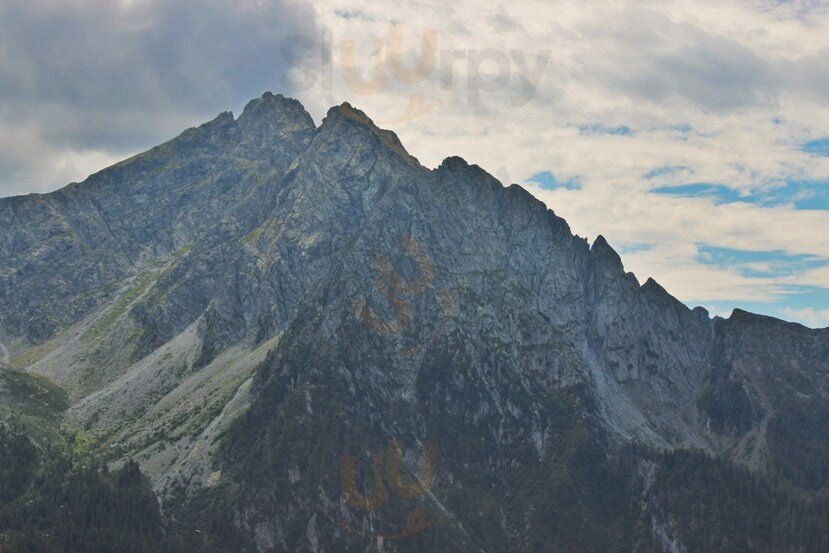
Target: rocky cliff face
[{"x": 316, "y": 343}]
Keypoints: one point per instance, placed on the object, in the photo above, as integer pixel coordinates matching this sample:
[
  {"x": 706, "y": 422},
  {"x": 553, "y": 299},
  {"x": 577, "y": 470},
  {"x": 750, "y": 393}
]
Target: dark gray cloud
[{"x": 119, "y": 76}]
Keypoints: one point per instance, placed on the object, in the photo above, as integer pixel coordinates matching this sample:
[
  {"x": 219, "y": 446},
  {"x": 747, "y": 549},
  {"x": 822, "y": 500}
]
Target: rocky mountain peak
[
  {"x": 274, "y": 115},
  {"x": 224, "y": 119},
  {"x": 348, "y": 111},
  {"x": 457, "y": 164},
  {"x": 453, "y": 163},
  {"x": 606, "y": 257},
  {"x": 344, "y": 119}
]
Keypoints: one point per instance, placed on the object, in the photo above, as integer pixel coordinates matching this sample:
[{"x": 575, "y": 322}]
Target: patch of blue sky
[
  {"x": 596, "y": 130},
  {"x": 548, "y": 181},
  {"x": 719, "y": 193},
  {"x": 759, "y": 264},
  {"x": 802, "y": 195},
  {"x": 666, "y": 171},
  {"x": 802, "y": 297},
  {"x": 632, "y": 247},
  {"x": 817, "y": 147}
]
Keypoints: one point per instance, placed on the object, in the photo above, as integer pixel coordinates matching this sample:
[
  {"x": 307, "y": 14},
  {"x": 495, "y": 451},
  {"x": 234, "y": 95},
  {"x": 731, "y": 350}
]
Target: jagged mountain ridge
[{"x": 263, "y": 265}]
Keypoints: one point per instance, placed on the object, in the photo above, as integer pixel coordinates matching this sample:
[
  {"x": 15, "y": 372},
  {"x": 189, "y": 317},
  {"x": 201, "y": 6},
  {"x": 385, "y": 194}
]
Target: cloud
[
  {"x": 653, "y": 58},
  {"x": 810, "y": 317},
  {"x": 101, "y": 79}
]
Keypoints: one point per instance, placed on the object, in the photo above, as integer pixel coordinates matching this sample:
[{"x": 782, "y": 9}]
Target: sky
[{"x": 693, "y": 135}]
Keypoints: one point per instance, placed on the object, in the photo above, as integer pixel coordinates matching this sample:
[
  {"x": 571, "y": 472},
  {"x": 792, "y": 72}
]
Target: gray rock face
[{"x": 344, "y": 297}]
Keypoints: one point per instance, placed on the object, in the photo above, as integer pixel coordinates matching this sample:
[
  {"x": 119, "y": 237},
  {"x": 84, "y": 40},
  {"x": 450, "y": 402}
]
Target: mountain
[{"x": 307, "y": 341}]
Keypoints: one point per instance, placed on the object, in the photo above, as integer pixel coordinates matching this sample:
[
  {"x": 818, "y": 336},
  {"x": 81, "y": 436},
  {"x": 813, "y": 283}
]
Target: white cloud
[{"x": 810, "y": 317}]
